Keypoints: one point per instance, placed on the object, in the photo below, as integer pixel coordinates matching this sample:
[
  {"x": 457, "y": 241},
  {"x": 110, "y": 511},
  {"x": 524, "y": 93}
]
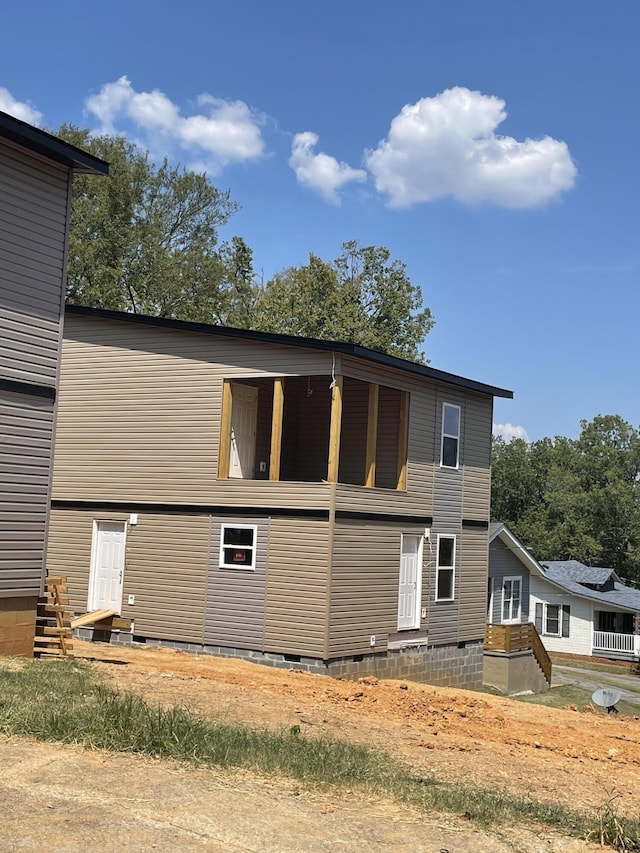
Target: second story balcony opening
[{"x": 317, "y": 428}]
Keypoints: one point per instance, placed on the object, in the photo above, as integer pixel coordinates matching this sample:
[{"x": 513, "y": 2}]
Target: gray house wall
[
  {"x": 504, "y": 563},
  {"x": 35, "y": 178}
]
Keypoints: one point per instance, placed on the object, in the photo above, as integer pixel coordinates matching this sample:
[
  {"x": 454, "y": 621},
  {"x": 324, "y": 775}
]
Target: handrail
[{"x": 516, "y": 638}]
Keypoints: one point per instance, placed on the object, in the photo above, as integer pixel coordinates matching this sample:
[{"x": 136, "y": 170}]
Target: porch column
[
  {"x": 403, "y": 441},
  {"x": 334, "y": 431},
  {"x": 276, "y": 429},
  {"x": 225, "y": 431},
  {"x": 372, "y": 436}
]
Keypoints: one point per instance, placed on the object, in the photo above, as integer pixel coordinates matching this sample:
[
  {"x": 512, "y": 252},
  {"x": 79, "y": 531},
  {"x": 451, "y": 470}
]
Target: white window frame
[
  {"x": 512, "y": 620},
  {"x": 450, "y": 435},
  {"x": 253, "y": 547},
  {"x": 451, "y": 568},
  {"x": 545, "y": 609}
]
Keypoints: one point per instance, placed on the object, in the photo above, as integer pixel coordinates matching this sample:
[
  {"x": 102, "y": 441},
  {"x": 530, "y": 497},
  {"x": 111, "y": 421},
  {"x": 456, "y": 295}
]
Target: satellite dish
[{"x": 606, "y": 697}]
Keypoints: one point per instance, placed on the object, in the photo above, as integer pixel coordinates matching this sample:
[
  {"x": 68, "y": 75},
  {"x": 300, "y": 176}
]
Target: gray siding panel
[
  {"x": 503, "y": 563},
  {"x": 33, "y": 220},
  {"x": 26, "y": 428},
  {"x": 235, "y": 609}
]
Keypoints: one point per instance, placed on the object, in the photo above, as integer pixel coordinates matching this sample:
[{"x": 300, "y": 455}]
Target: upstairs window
[
  {"x": 445, "y": 570},
  {"x": 450, "y": 453},
  {"x": 238, "y": 546}
]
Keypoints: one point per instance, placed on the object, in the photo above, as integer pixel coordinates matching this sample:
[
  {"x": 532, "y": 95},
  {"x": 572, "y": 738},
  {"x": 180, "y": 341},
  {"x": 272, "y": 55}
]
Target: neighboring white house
[{"x": 576, "y": 609}]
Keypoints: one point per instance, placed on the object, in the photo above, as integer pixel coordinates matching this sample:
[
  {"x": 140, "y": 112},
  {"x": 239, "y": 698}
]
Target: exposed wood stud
[
  {"x": 372, "y": 436},
  {"x": 276, "y": 429},
  {"x": 225, "y": 431},
  {"x": 403, "y": 441},
  {"x": 334, "y": 431}
]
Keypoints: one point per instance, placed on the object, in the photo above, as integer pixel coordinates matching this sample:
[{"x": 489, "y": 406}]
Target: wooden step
[{"x": 91, "y": 617}]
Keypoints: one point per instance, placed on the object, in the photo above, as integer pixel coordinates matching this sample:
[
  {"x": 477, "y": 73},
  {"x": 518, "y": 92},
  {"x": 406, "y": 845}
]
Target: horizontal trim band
[
  {"x": 192, "y": 509},
  {"x": 347, "y": 514},
  {"x": 248, "y": 511},
  {"x": 48, "y": 392},
  {"x": 476, "y": 523}
]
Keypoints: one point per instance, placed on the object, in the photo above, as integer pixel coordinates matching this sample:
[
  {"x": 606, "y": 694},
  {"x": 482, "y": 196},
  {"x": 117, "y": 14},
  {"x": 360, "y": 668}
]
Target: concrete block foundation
[{"x": 455, "y": 665}]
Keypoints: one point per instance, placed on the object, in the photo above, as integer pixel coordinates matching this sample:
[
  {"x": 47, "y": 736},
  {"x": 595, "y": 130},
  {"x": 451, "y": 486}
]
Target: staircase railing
[{"x": 517, "y": 638}]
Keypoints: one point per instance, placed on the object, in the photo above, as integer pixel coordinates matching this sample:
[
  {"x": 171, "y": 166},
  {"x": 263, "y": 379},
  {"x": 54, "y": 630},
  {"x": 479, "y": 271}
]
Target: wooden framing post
[
  {"x": 276, "y": 429},
  {"x": 334, "y": 431},
  {"x": 403, "y": 441},
  {"x": 372, "y": 436},
  {"x": 225, "y": 431}
]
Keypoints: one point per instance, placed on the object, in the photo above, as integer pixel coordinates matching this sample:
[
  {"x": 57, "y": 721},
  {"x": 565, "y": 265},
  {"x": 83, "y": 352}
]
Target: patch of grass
[
  {"x": 63, "y": 701},
  {"x": 571, "y": 694}
]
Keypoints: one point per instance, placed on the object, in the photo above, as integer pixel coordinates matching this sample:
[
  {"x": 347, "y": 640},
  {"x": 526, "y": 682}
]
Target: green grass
[
  {"x": 571, "y": 694},
  {"x": 62, "y": 701}
]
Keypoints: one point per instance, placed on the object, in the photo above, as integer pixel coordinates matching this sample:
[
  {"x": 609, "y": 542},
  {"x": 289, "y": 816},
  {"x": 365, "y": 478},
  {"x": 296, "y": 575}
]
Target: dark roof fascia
[
  {"x": 291, "y": 340},
  {"x": 50, "y": 146}
]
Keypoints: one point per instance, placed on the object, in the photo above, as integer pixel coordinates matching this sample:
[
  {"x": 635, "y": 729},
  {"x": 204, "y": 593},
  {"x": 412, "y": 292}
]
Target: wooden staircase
[{"x": 53, "y": 620}]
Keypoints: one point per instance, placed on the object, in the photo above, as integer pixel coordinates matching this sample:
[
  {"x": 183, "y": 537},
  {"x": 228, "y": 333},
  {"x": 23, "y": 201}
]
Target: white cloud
[
  {"x": 320, "y": 172},
  {"x": 223, "y": 132},
  {"x": 448, "y": 146},
  {"x": 19, "y": 109},
  {"x": 509, "y": 432}
]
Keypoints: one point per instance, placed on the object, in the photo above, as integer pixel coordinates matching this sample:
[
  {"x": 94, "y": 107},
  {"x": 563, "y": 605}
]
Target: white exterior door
[
  {"x": 511, "y": 599},
  {"x": 107, "y": 567},
  {"x": 243, "y": 431},
  {"x": 410, "y": 587}
]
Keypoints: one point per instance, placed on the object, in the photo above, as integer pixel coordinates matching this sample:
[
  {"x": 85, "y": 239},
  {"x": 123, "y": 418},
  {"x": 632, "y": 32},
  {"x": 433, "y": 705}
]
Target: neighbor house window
[
  {"x": 511, "y": 598},
  {"x": 445, "y": 569},
  {"x": 238, "y": 546},
  {"x": 450, "y": 452},
  {"x": 553, "y": 619}
]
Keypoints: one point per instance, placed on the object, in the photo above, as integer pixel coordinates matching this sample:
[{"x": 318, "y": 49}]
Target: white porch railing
[{"x": 607, "y": 641}]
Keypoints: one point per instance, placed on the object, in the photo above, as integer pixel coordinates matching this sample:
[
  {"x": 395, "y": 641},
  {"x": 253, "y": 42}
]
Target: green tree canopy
[
  {"x": 362, "y": 297},
  {"x": 146, "y": 238},
  {"x": 574, "y": 499}
]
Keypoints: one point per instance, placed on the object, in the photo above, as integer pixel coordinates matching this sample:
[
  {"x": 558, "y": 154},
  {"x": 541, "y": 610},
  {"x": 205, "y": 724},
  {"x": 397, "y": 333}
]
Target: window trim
[
  {"x": 545, "y": 618},
  {"x": 253, "y": 547},
  {"x": 517, "y": 619},
  {"x": 450, "y": 435},
  {"x": 451, "y": 568}
]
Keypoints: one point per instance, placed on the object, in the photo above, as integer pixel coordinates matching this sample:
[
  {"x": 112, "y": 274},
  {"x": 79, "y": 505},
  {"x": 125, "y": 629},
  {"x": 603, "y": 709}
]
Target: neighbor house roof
[
  {"x": 571, "y": 575},
  {"x": 50, "y": 146},
  {"x": 293, "y": 341}
]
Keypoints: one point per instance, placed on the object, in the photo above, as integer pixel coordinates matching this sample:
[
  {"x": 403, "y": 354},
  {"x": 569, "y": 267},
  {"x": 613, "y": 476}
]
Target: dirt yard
[{"x": 562, "y": 755}]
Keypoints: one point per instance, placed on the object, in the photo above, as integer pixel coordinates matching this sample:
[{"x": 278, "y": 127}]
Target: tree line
[
  {"x": 146, "y": 240},
  {"x": 574, "y": 498}
]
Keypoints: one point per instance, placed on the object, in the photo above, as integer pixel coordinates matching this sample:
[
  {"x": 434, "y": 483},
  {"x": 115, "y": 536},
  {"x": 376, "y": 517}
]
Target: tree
[
  {"x": 363, "y": 297},
  {"x": 574, "y": 499},
  {"x": 146, "y": 238}
]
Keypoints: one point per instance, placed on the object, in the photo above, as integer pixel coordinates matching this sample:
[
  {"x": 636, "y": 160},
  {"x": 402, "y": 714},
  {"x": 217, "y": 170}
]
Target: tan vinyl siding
[
  {"x": 139, "y": 414},
  {"x": 33, "y": 216},
  {"x": 166, "y": 568},
  {"x": 477, "y": 457},
  {"x": 236, "y": 597},
  {"x": 26, "y": 426},
  {"x": 297, "y": 587},
  {"x": 474, "y": 551},
  {"x": 364, "y": 586}
]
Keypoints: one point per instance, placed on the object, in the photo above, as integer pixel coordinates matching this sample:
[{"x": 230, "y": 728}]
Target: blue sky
[{"x": 493, "y": 147}]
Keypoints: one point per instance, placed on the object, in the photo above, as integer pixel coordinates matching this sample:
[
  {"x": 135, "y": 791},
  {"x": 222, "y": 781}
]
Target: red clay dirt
[
  {"x": 69, "y": 799},
  {"x": 575, "y": 758}
]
